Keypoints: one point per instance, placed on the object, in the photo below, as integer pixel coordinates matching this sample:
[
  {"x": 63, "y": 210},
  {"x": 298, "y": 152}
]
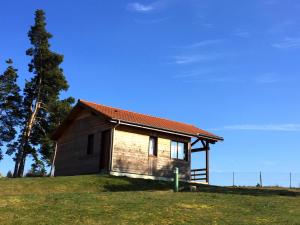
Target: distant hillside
[{"x": 110, "y": 200}]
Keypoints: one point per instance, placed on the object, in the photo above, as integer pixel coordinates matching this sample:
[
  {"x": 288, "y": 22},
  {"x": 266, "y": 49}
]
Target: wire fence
[{"x": 259, "y": 178}]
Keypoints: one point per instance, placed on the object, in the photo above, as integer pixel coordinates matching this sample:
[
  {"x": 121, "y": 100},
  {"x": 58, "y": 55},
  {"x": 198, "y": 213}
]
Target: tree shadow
[
  {"x": 139, "y": 184},
  {"x": 136, "y": 184},
  {"x": 152, "y": 166},
  {"x": 155, "y": 168},
  {"x": 267, "y": 191}
]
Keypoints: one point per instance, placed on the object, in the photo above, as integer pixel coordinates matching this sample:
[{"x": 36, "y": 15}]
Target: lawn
[{"x": 97, "y": 199}]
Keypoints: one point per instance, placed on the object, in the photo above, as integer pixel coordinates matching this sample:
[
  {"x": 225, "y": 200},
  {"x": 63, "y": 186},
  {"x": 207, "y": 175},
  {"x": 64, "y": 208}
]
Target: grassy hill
[{"x": 110, "y": 200}]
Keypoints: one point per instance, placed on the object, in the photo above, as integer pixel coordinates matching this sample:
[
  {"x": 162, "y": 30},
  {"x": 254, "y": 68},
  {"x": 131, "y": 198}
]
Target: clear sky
[{"x": 231, "y": 67}]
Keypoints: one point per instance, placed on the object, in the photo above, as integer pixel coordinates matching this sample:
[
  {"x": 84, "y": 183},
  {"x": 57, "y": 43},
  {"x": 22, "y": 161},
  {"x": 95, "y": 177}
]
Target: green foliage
[
  {"x": 42, "y": 108},
  {"x": 9, "y": 174},
  {"x": 115, "y": 200},
  {"x": 10, "y": 102},
  {"x": 58, "y": 111},
  {"x": 37, "y": 170},
  {"x": 49, "y": 79}
]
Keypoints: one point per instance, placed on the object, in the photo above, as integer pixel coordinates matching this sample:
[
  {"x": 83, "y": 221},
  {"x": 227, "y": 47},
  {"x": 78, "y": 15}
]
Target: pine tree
[
  {"x": 10, "y": 101},
  {"x": 40, "y": 92},
  {"x": 37, "y": 170},
  {"x": 9, "y": 174}
]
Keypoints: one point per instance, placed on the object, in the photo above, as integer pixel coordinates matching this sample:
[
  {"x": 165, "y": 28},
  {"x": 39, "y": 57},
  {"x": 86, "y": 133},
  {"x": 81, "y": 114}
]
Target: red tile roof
[{"x": 149, "y": 121}]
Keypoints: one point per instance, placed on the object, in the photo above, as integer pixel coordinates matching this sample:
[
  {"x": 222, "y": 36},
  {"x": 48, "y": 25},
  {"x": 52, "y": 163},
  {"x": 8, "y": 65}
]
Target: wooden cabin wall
[
  {"x": 130, "y": 153},
  {"x": 72, "y": 157}
]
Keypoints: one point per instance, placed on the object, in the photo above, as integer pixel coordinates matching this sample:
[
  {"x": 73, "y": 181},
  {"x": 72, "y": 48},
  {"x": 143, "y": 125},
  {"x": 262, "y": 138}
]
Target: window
[
  {"x": 174, "y": 149},
  {"x": 178, "y": 150},
  {"x": 153, "y": 146},
  {"x": 90, "y": 144}
]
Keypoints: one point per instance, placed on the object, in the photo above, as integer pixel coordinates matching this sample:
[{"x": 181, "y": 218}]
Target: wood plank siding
[
  {"x": 130, "y": 153},
  {"x": 96, "y": 138},
  {"x": 72, "y": 157},
  {"x": 130, "y": 150}
]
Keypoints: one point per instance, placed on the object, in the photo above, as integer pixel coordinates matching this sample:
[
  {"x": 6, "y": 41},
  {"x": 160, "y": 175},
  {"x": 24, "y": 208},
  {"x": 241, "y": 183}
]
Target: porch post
[{"x": 207, "y": 161}]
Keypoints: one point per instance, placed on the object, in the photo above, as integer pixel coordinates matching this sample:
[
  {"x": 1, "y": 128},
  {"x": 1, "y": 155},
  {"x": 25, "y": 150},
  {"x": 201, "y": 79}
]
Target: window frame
[
  {"x": 90, "y": 144},
  {"x": 155, "y": 146},
  {"x": 185, "y": 150}
]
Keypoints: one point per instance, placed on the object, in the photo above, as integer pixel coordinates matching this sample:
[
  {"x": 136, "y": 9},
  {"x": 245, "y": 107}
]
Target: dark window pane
[
  {"x": 186, "y": 152},
  {"x": 90, "y": 144}
]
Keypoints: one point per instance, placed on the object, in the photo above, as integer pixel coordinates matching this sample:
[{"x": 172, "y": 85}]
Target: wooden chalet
[{"x": 95, "y": 138}]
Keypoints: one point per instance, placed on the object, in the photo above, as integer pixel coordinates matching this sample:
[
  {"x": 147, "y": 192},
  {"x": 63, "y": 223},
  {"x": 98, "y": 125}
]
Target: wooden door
[
  {"x": 152, "y": 161},
  {"x": 105, "y": 150}
]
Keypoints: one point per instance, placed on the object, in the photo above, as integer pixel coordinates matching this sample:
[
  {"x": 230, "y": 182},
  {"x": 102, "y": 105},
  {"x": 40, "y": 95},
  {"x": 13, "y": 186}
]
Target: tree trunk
[
  {"x": 26, "y": 139},
  {"x": 20, "y": 160},
  {"x": 22, "y": 165},
  {"x": 53, "y": 161},
  {"x": 17, "y": 161},
  {"x": 19, "y": 155}
]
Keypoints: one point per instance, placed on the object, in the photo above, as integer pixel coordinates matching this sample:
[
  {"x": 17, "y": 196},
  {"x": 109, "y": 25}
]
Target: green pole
[{"x": 176, "y": 183}]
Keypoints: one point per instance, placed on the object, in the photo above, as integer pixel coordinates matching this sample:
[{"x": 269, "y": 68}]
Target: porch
[{"x": 201, "y": 175}]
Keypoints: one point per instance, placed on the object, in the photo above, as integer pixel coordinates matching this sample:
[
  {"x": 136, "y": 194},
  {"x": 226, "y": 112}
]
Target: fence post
[
  {"x": 176, "y": 183},
  {"x": 260, "y": 179},
  {"x": 290, "y": 180}
]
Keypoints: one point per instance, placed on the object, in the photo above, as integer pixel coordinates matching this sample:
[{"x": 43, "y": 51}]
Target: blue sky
[{"x": 230, "y": 67}]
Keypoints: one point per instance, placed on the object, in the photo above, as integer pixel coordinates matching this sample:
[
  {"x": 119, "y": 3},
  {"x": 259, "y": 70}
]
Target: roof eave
[
  {"x": 213, "y": 138},
  {"x": 81, "y": 104},
  {"x": 57, "y": 133}
]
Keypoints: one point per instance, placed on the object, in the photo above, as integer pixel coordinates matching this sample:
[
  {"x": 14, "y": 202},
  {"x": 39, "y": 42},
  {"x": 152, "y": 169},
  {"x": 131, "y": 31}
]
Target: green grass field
[{"x": 110, "y": 200}]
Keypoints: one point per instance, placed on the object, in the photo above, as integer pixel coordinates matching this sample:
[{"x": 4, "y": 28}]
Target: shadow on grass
[
  {"x": 246, "y": 190},
  {"x": 129, "y": 184}
]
